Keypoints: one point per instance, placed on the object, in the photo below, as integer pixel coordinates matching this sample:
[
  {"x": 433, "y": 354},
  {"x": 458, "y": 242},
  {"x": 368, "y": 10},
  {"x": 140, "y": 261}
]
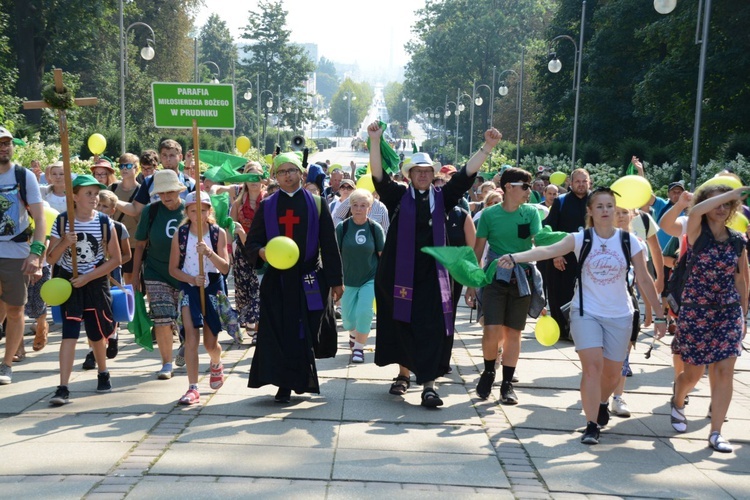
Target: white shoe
[{"x": 619, "y": 407}]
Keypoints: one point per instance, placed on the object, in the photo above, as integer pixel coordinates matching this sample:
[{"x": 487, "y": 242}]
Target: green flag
[
  {"x": 413, "y": 147},
  {"x": 390, "y": 157},
  {"x": 631, "y": 169},
  {"x": 220, "y": 202},
  {"x": 462, "y": 265},
  {"x": 141, "y": 325},
  {"x": 217, "y": 158}
]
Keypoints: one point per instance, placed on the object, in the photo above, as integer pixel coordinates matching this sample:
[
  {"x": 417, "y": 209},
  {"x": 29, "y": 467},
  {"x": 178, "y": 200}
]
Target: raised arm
[
  {"x": 491, "y": 138},
  {"x": 376, "y": 159},
  {"x": 702, "y": 208},
  {"x": 668, "y": 222},
  {"x": 562, "y": 247}
]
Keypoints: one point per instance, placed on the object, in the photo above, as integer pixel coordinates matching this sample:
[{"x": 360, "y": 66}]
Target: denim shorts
[{"x": 612, "y": 335}]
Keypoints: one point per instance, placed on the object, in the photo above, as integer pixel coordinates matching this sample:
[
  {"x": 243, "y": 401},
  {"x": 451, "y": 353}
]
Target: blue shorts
[{"x": 356, "y": 307}]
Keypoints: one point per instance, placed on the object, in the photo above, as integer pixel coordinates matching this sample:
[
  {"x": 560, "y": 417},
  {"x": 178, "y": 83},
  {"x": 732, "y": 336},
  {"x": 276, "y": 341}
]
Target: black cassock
[
  {"x": 290, "y": 336},
  {"x": 421, "y": 345}
]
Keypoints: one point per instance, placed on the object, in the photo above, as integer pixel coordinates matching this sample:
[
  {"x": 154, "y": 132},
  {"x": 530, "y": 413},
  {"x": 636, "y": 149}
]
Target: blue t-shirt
[
  {"x": 14, "y": 219},
  {"x": 145, "y": 194}
]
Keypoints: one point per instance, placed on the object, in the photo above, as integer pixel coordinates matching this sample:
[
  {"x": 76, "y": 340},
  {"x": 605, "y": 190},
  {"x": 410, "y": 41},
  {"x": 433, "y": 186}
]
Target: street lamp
[
  {"x": 478, "y": 101},
  {"x": 147, "y": 53},
  {"x": 503, "y": 91},
  {"x": 408, "y": 102},
  {"x": 665, "y": 7},
  {"x": 215, "y": 78},
  {"x": 269, "y": 105},
  {"x": 349, "y": 97},
  {"x": 555, "y": 65},
  {"x": 459, "y": 95}
]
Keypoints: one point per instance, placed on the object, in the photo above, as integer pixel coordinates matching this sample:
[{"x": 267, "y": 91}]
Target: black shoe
[
  {"x": 61, "y": 397},
  {"x": 484, "y": 387},
  {"x": 112, "y": 349},
  {"x": 591, "y": 436},
  {"x": 283, "y": 395},
  {"x": 603, "y": 418},
  {"x": 89, "y": 363},
  {"x": 507, "y": 394},
  {"x": 103, "y": 383}
]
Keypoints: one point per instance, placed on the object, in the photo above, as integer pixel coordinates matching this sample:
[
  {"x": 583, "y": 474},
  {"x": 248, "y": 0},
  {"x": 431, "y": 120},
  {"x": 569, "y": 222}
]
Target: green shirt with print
[
  {"x": 159, "y": 239},
  {"x": 359, "y": 251},
  {"x": 509, "y": 232}
]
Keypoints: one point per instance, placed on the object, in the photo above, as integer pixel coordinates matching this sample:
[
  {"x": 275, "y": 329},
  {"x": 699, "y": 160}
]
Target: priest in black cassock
[
  {"x": 413, "y": 291},
  {"x": 297, "y": 319}
]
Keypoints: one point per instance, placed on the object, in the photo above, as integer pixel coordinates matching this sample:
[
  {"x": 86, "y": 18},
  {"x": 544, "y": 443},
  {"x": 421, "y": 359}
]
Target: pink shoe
[
  {"x": 191, "y": 397},
  {"x": 217, "y": 377}
]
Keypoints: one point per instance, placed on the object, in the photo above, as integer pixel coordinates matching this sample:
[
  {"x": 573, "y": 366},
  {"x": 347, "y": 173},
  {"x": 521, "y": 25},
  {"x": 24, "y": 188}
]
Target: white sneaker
[
  {"x": 619, "y": 407},
  {"x": 6, "y": 374}
]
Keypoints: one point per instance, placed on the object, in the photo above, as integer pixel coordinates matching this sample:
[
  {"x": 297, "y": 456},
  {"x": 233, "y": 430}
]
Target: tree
[
  {"x": 283, "y": 67},
  {"x": 9, "y": 103},
  {"x": 326, "y": 79},
  {"x": 460, "y": 41},
  {"x": 216, "y": 45},
  {"x": 393, "y": 95},
  {"x": 361, "y": 97}
]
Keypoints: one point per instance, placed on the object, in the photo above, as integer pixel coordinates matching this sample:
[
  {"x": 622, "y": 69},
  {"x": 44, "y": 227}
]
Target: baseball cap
[
  {"x": 191, "y": 198},
  {"x": 348, "y": 182},
  {"x": 677, "y": 184},
  {"x": 5, "y": 134},
  {"x": 87, "y": 180}
]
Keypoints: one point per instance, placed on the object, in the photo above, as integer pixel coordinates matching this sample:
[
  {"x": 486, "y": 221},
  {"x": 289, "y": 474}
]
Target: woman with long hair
[{"x": 601, "y": 310}]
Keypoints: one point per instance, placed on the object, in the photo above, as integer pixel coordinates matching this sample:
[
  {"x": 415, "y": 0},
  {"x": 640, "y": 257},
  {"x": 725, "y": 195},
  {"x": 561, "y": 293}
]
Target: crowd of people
[{"x": 154, "y": 227}]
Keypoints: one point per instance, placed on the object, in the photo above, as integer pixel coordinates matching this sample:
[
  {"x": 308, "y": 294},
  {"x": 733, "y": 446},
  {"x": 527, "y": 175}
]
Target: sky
[{"x": 370, "y": 34}]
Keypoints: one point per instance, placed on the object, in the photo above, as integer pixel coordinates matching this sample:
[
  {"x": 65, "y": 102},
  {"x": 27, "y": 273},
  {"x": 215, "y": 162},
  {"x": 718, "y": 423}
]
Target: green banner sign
[{"x": 176, "y": 105}]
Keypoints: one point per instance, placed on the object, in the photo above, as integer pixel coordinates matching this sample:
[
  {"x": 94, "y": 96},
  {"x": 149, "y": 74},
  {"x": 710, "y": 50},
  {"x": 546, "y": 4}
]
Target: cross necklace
[{"x": 603, "y": 243}]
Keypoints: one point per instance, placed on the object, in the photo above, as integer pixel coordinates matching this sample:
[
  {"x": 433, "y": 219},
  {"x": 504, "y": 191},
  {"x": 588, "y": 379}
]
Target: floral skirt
[{"x": 246, "y": 289}]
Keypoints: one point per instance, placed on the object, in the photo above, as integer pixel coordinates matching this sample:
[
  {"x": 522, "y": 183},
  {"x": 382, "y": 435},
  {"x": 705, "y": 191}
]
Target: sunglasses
[
  {"x": 127, "y": 166},
  {"x": 346, "y": 187},
  {"x": 524, "y": 185}
]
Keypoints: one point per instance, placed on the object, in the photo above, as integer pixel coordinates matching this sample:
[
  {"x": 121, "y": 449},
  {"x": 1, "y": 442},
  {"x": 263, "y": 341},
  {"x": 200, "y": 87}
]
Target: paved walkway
[{"x": 354, "y": 439}]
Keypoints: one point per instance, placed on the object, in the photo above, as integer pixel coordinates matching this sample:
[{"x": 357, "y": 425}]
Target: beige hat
[
  {"x": 166, "y": 181},
  {"x": 420, "y": 160}
]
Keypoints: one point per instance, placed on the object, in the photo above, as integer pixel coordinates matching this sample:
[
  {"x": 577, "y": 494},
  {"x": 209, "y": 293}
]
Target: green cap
[
  {"x": 288, "y": 157},
  {"x": 87, "y": 180}
]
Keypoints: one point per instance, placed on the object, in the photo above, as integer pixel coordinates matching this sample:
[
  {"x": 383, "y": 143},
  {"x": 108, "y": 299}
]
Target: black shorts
[{"x": 127, "y": 268}]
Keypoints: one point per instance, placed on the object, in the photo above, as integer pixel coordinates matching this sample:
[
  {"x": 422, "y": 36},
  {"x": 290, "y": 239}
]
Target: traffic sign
[{"x": 176, "y": 105}]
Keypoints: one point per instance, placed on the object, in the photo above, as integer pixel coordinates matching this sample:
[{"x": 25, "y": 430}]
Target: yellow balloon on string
[{"x": 547, "y": 331}]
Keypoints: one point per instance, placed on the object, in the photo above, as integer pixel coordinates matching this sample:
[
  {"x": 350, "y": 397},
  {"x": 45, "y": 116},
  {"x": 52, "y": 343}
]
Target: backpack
[
  {"x": 62, "y": 222},
  {"x": 113, "y": 188},
  {"x": 20, "y": 173},
  {"x": 681, "y": 272},
  {"x": 182, "y": 239},
  {"x": 586, "y": 249}
]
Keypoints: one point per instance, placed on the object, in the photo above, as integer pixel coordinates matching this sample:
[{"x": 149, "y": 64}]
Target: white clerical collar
[
  {"x": 291, "y": 194},
  {"x": 432, "y": 195}
]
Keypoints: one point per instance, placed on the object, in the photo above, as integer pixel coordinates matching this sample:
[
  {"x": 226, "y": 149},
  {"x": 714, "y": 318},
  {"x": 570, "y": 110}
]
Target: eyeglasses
[
  {"x": 524, "y": 185},
  {"x": 288, "y": 171},
  {"x": 127, "y": 166}
]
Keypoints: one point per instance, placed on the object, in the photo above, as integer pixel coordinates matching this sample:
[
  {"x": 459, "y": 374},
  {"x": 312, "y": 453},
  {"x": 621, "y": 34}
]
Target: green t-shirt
[
  {"x": 509, "y": 232},
  {"x": 358, "y": 251},
  {"x": 159, "y": 241}
]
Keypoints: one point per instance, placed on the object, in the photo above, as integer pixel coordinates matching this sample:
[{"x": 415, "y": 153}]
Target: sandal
[
  {"x": 430, "y": 399},
  {"x": 677, "y": 417},
  {"x": 400, "y": 386},
  {"x": 351, "y": 341},
  {"x": 40, "y": 338},
  {"x": 358, "y": 356},
  {"x": 19, "y": 356},
  {"x": 718, "y": 443}
]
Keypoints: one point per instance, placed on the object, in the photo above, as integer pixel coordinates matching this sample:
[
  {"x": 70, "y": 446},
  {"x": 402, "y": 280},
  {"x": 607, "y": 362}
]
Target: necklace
[{"x": 603, "y": 243}]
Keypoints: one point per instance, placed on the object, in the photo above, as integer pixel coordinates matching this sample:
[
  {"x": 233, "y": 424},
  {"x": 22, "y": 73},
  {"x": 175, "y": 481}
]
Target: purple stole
[
  {"x": 310, "y": 283},
  {"x": 403, "y": 289}
]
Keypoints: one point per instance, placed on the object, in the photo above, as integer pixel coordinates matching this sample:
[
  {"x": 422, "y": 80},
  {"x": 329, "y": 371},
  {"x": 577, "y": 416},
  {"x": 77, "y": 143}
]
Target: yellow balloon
[
  {"x": 56, "y": 291},
  {"x": 722, "y": 179},
  {"x": 633, "y": 191},
  {"x": 97, "y": 143},
  {"x": 269, "y": 160},
  {"x": 738, "y": 222},
  {"x": 374, "y": 306},
  {"x": 365, "y": 182},
  {"x": 558, "y": 178},
  {"x": 243, "y": 144},
  {"x": 547, "y": 331},
  {"x": 282, "y": 252},
  {"x": 50, "y": 215}
]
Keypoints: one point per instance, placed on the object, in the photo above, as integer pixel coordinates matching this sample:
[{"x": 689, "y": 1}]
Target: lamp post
[
  {"x": 215, "y": 79},
  {"x": 555, "y": 65},
  {"x": 349, "y": 97},
  {"x": 439, "y": 115},
  {"x": 503, "y": 91},
  {"x": 475, "y": 100},
  {"x": 459, "y": 108},
  {"x": 269, "y": 105},
  {"x": 147, "y": 53},
  {"x": 408, "y": 102},
  {"x": 704, "y": 6},
  {"x": 445, "y": 125}
]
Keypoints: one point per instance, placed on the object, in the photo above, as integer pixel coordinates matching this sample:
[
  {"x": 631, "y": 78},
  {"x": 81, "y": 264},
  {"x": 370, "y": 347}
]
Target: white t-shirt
[
  {"x": 58, "y": 202},
  {"x": 605, "y": 290},
  {"x": 90, "y": 247},
  {"x": 190, "y": 266},
  {"x": 14, "y": 219}
]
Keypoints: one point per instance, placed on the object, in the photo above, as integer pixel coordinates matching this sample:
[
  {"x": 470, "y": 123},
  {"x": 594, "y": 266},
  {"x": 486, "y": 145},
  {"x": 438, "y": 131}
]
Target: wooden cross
[{"x": 84, "y": 101}]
